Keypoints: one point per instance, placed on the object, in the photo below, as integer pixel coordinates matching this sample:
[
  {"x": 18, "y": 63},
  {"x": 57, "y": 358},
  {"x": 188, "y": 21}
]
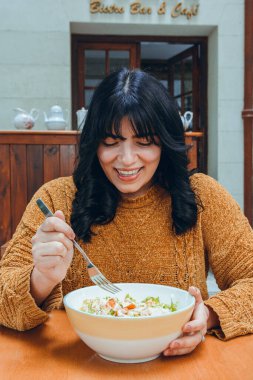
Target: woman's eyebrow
[
  {"x": 147, "y": 135},
  {"x": 115, "y": 137}
]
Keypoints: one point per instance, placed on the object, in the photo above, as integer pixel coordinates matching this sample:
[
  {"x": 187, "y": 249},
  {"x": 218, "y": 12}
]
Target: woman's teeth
[{"x": 128, "y": 173}]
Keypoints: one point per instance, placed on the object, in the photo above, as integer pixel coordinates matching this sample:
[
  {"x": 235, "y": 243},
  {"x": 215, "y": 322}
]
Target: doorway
[{"x": 179, "y": 63}]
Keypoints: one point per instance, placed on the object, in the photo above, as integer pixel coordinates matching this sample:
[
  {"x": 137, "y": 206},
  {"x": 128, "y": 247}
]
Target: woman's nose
[{"x": 127, "y": 155}]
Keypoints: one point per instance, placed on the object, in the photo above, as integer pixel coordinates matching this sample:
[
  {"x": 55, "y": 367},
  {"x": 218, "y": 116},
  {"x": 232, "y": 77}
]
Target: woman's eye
[
  {"x": 109, "y": 142},
  {"x": 145, "y": 143}
]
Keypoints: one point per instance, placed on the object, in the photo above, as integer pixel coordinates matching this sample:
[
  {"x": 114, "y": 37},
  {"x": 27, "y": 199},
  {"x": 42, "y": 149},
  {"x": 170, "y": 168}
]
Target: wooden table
[{"x": 53, "y": 351}]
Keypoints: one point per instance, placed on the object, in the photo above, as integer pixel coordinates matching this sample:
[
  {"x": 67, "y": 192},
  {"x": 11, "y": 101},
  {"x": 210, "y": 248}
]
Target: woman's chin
[{"x": 132, "y": 191}]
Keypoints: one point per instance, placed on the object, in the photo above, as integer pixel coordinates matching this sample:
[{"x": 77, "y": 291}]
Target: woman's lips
[{"x": 128, "y": 175}]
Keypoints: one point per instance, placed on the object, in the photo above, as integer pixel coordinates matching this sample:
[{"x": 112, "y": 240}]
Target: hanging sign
[{"x": 140, "y": 7}]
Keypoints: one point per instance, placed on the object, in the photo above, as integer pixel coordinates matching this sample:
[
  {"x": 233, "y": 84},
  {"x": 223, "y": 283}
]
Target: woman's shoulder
[
  {"x": 59, "y": 191},
  {"x": 65, "y": 184},
  {"x": 211, "y": 192},
  {"x": 57, "y": 194},
  {"x": 200, "y": 181}
]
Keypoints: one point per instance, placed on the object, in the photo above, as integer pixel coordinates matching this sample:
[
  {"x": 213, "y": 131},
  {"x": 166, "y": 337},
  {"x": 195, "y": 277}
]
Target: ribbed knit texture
[{"x": 139, "y": 245}]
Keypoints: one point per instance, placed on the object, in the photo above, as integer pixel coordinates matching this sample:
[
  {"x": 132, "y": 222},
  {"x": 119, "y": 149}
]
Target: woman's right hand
[{"x": 52, "y": 251}]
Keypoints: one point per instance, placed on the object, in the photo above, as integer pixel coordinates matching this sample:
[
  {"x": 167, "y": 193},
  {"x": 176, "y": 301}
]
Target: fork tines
[
  {"x": 105, "y": 284},
  {"x": 100, "y": 280}
]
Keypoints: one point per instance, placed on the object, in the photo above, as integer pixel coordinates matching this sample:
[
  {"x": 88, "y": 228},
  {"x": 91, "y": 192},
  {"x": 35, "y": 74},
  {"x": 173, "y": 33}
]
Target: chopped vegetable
[{"x": 129, "y": 307}]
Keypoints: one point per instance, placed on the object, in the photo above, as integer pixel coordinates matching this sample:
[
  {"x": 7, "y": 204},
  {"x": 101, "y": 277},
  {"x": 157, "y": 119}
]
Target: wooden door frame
[
  {"x": 247, "y": 112},
  {"x": 82, "y": 46}
]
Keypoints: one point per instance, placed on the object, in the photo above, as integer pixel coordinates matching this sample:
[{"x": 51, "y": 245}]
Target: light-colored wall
[
  {"x": 230, "y": 98},
  {"x": 34, "y": 59},
  {"x": 35, "y": 63}
]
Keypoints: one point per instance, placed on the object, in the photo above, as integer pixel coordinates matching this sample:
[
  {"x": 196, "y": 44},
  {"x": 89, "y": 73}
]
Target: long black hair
[{"x": 146, "y": 103}]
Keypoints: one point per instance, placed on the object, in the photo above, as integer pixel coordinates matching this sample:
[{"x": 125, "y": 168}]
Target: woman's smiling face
[{"x": 129, "y": 162}]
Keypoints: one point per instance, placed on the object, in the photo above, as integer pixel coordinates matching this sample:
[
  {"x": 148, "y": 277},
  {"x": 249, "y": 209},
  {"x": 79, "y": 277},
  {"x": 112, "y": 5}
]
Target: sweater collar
[{"x": 155, "y": 192}]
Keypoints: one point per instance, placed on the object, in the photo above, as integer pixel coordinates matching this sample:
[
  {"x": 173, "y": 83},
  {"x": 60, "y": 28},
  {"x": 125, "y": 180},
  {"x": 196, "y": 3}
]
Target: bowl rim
[{"x": 192, "y": 303}]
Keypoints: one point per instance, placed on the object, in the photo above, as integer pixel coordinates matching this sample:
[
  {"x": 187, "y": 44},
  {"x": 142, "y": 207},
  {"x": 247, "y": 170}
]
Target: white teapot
[
  {"x": 81, "y": 116},
  {"x": 25, "y": 120},
  {"x": 55, "y": 119},
  {"x": 186, "y": 119}
]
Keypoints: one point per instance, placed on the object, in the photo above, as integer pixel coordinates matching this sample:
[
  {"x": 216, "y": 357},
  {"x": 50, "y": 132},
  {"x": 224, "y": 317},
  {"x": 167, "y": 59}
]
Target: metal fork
[{"x": 95, "y": 275}]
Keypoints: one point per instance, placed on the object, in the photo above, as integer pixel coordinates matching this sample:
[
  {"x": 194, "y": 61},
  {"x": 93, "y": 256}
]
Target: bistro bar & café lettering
[{"x": 138, "y": 7}]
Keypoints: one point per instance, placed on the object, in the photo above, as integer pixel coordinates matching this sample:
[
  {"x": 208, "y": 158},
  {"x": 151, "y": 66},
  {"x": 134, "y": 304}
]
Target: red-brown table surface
[{"x": 54, "y": 351}]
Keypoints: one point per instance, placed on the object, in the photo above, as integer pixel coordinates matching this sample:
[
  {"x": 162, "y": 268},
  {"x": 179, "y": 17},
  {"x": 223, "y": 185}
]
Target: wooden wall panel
[
  {"x": 35, "y": 169},
  {"x": 5, "y": 194},
  {"x": 67, "y": 159},
  {"x": 51, "y": 162},
  {"x": 18, "y": 183}
]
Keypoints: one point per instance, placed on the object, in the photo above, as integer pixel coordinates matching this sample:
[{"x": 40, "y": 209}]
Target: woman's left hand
[{"x": 193, "y": 331}]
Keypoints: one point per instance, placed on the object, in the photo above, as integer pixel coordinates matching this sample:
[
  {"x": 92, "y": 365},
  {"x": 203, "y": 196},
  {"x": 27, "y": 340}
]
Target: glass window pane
[
  {"x": 87, "y": 97},
  {"x": 165, "y": 83},
  {"x": 94, "y": 65},
  {"x": 177, "y": 79},
  {"x": 178, "y": 100},
  {"x": 188, "y": 103},
  {"x": 92, "y": 82},
  {"x": 188, "y": 74},
  {"x": 118, "y": 59},
  {"x": 177, "y": 87}
]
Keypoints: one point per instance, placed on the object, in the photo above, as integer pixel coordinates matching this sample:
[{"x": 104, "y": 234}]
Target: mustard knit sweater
[{"x": 139, "y": 245}]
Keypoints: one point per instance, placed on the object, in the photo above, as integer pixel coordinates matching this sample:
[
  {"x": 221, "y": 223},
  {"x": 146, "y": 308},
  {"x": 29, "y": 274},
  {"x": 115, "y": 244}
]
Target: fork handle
[
  {"x": 90, "y": 264},
  {"x": 43, "y": 207}
]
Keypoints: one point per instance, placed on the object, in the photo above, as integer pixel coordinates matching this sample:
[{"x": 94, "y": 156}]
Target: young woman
[{"x": 140, "y": 216}]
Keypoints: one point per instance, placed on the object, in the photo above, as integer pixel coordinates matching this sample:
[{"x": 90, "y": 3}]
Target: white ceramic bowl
[{"x": 129, "y": 339}]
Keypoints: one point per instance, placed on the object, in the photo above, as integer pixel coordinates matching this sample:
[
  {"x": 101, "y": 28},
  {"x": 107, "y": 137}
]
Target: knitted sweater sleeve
[
  {"x": 18, "y": 309},
  {"x": 228, "y": 240}
]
